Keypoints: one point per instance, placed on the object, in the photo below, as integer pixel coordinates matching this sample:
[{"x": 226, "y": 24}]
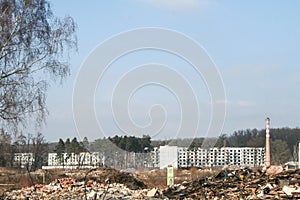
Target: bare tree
[
  {"x": 6, "y": 151},
  {"x": 34, "y": 49},
  {"x": 39, "y": 149},
  {"x": 20, "y": 143}
]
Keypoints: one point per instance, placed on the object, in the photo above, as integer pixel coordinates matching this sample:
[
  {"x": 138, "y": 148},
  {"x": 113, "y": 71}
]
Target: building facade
[
  {"x": 83, "y": 159},
  {"x": 155, "y": 157},
  {"x": 24, "y": 160},
  {"x": 117, "y": 160},
  {"x": 160, "y": 157},
  {"x": 198, "y": 157},
  {"x": 168, "y": 155}
]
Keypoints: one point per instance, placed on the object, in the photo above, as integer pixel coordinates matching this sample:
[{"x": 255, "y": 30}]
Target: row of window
[
  {"x": 221, "y": 151},
  {"x": 184, "y": 164}
]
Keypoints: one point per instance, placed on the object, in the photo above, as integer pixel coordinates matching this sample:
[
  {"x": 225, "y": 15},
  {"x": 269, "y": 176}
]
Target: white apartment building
[
  {"x": 155, "y": 157},
  {"x": 185, "y": 157},
  {"x": 72, "y": 159},
  {"x": 161, "y": 157},
  {"x": 23, "y": 159}
]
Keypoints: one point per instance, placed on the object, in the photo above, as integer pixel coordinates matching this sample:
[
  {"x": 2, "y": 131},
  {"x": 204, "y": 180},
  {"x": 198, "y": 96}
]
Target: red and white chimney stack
[{"x": 268, "y": 153}]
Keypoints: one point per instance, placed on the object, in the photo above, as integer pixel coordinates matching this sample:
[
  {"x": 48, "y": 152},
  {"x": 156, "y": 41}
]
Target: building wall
[
  {"x": 81, "y": 159},
  {"x": 240, "y": 156},
  {"x": 118, "y": 160},
  {"x": 23, "y": 159},
  {"x": 161, "y": 157},
  {"x": 155, "y": 157},
  {"x": 168, "y": 156}
]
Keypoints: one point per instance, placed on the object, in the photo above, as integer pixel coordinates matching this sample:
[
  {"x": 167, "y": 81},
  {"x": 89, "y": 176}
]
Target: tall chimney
[{"x": 268, "y": 154}]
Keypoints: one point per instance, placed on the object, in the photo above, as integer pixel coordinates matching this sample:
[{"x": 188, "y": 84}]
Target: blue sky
[{"x": 255, "y": 46}]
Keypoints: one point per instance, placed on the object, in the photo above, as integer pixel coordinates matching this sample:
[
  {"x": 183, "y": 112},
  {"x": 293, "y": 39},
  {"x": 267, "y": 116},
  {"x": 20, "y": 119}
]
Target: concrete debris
[
  {"x": 291, "y": 191},
  {"x": 69, "y": 188},
  {"x": 108, "y": 175},
  {"x": 152, "y": 193},
  {"x": 273, "y": 169},
  {"x": 92, "y": 184},
  {"x": 242, "y": 183}
]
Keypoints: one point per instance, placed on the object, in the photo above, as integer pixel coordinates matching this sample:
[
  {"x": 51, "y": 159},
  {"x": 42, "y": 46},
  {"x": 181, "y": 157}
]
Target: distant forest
[{"x": 284, "y": 142}]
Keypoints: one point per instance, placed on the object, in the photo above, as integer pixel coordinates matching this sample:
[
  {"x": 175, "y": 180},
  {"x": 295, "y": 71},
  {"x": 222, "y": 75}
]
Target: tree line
[
  {"x": 73, "y": 146},
  {"x": 132, "y": 143},
  {"x": 284, "y": 142},
  {"x": 21, "y": 143},
  {"x": 37, "y": 145},
  {"x": 70, "y": 147}
]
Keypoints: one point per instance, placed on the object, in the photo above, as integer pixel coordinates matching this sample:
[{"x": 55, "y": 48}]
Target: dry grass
[{"x": 158, "y": 178}]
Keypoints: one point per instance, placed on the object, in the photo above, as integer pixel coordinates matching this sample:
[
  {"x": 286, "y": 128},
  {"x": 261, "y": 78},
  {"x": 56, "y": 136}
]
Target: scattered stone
[
  {"x": 152, "y": 193},
  {"x": 273, "y": 169},
  {"x": 92, "y": 195}
]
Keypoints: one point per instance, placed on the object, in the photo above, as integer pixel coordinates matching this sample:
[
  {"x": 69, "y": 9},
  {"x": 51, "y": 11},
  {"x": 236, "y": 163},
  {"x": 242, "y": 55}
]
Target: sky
[{"x": 253, "y": 45}]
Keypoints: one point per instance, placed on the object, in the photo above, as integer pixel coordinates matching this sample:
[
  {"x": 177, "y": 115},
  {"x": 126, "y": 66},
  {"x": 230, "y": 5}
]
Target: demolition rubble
[
  {"x": 241, "y": 183},
  {"x": 93, "y": 184}
]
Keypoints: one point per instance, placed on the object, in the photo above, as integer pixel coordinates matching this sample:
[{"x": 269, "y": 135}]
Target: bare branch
[{"x": 32, "y": 47}]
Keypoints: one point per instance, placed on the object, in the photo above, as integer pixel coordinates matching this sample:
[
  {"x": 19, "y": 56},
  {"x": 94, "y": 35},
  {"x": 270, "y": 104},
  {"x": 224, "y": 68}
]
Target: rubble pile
[
  {"x": 114, "y": 176},
  {"x": 106, "y": 175},
  {"x": 69, "y": 188},
  {"x": 242, "y": 183},
  {"x": 239, "y": 184},
  {"x": 91, "y": 184}
]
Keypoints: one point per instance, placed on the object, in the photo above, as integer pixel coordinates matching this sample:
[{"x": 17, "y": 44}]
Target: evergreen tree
[
  {"x": 60, "y": 149},
  {"x": 68, "y": 146},
  {"x": 85, "y": 144}
]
